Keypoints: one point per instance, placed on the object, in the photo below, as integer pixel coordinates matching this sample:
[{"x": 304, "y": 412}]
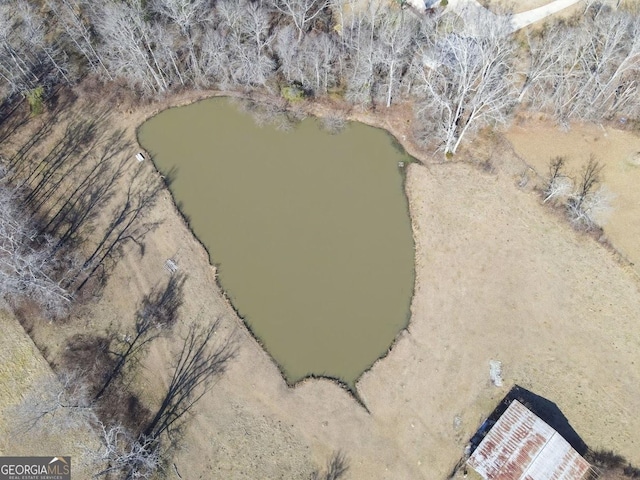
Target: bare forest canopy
[{"x": 459, "y": 75}]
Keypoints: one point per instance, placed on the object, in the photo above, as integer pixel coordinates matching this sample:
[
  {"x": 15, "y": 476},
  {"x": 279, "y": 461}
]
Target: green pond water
[{"x": 310, "y": 231}]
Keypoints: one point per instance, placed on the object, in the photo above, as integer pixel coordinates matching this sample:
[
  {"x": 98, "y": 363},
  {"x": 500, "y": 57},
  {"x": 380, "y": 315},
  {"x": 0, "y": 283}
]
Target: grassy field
[
  {"x": 23, "y": 371},
  {"x": 499, "y": 276}
]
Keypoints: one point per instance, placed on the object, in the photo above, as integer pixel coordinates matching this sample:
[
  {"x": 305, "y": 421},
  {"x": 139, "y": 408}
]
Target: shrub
[
  {"x": 631, "y": 471},
  {"x": 35, "y": 100},
  {"x": 292, "y": 93},
  {"x": 606, "y": 459},
  {"x": 333, "y": 124}
]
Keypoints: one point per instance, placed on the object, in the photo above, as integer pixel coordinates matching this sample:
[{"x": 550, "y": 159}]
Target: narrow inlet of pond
[{"x": 310, "y": 231}]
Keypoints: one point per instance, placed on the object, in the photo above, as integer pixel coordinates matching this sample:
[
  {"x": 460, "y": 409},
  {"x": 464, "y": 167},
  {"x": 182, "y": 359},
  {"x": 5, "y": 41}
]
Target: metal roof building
[{"x": 520, "y": 446}]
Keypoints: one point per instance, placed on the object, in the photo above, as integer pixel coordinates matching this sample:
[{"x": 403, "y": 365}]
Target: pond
[{"x": 310, "y": 231}]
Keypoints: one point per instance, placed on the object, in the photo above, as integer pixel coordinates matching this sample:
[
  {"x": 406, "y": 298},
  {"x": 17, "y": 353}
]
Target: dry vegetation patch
[
  {"x": 23, "y": 371},
  {"x": 616, "y": 150},
  {"x": 498, "y": 277}
]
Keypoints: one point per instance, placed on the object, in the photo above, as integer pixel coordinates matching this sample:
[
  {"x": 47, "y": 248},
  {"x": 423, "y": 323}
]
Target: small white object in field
[
  {"x": 140, "y": 156},
  {"x": 495, "y": 372},
  {"x": 170, "y": 266},
  {"x": 457, "y": 422}
]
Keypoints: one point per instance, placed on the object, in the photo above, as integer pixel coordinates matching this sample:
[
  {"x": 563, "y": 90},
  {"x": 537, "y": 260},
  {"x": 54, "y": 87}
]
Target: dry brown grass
[
  {"x": 498, "y": 277},
  {"x": 23, "y": 370},
  {"x": 616, "y": 150}
]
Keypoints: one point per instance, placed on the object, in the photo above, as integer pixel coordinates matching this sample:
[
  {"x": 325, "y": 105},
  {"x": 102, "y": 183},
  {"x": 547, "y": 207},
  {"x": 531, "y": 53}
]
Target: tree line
[
  {"x": 57, "y": 237},
  {"x": 458, "y": 78}
]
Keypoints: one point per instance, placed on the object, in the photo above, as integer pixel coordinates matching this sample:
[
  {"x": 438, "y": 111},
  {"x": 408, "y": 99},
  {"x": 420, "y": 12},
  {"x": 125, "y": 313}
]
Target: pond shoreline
[
  {"x": 395, "y": 121},
  {"x": 493, "y": 243},
  {"x": 350, "y": 388}
]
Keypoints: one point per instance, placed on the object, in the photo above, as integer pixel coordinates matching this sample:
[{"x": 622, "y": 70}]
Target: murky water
[{"x": 311, "y": 231}]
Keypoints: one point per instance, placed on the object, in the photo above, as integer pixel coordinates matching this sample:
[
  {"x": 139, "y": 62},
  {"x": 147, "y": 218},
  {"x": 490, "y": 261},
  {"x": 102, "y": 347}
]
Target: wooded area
[{"x": 368, "y": 53}]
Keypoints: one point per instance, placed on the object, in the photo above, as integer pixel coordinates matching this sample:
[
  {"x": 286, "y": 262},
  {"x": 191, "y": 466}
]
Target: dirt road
[{"x": 475, "y": 13}]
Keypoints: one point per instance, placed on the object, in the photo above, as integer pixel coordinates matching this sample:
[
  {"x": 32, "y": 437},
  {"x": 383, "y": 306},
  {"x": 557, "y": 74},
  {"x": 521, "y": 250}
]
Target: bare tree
[
  {"x": 359, "y": 41},
  {"x": 558, "y": 184},
  {"x": 28, "y": 58},
  {"x": 59, "y": 402},
  {"x": 70, "y": 19},
  {"x": 28, "y": 265},
  {"x": 255, "y": 24},
  {"x": 14, "y": 71},
  {"x": 301, "y": 12},
  {"x": 610, "y": 64},
  {"x": 589, "y": 199},
  {"x": 253, "y": 37},
  {"x": 321, "y": 54},
  {"x": 291, "y": 56},
  {"x": 64, "y": 404},
  {"x": 397, "y": 35},
  {"x": 35, "y": 32},
  {"x": 129, "y": 45},
  {"x": 215, "y": 59},
  {"x": 543, "y": 47},
  {"x": 591, "y": 67},
  {"x": 311, "y": 63},
  {"x": 126, "y": 455},
  {"x": 187, "y": 16},
  {"x": 245, "y": 37},
  {"x": 467, "y": 83}
]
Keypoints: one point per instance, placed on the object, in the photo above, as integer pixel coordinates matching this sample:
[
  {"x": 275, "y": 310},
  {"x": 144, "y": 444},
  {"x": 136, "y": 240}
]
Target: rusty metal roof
[{"x": 520, "y": 446}]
